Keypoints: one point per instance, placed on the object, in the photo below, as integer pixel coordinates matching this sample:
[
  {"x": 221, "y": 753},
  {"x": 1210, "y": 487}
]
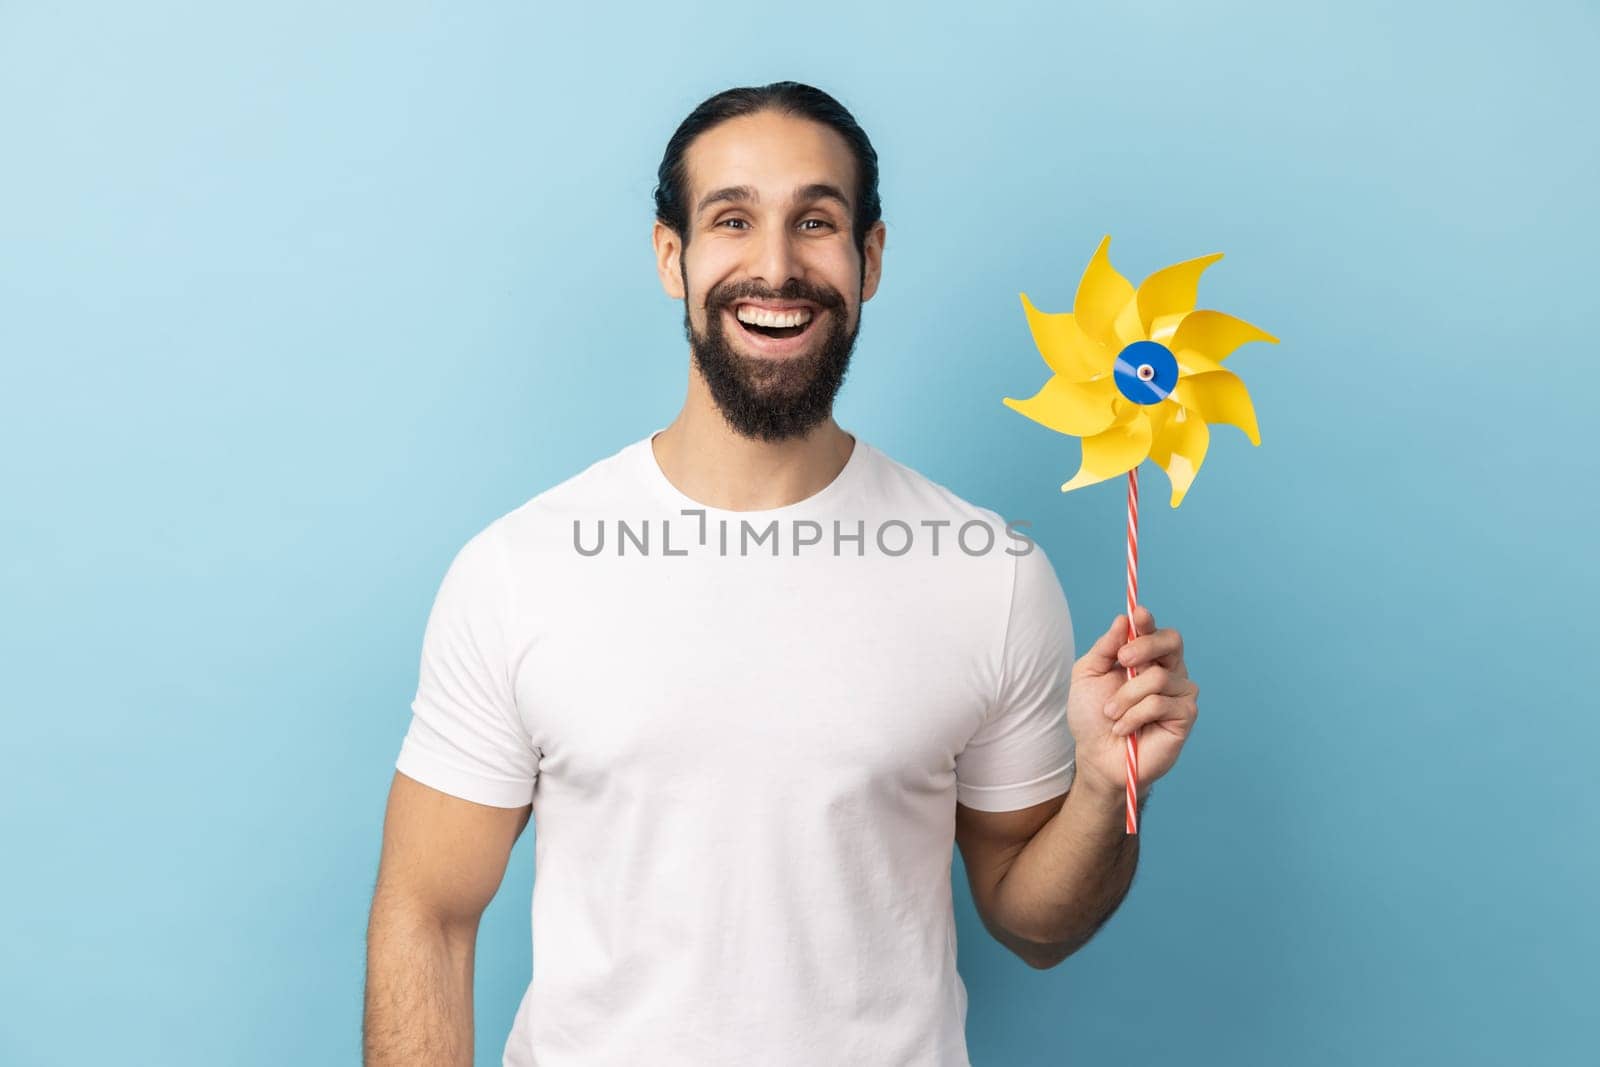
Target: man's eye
[
  {"x": 724, "y": 222},
  {"x": 824, "y": 222}
]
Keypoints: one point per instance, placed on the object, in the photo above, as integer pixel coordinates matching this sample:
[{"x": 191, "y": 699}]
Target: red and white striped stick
[{"x": 1133, "y": 599}]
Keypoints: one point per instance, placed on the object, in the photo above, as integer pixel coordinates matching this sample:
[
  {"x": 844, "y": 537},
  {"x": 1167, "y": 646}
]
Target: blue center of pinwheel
[{"x": 1146, "y": 372}]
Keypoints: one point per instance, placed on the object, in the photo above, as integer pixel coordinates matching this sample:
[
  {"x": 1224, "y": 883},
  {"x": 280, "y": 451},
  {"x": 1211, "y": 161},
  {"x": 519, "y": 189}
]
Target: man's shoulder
[
  {"x": 902, "y": 485},
  {"x": 607, "y": 487},
  {"x": 609, "y": 478}
]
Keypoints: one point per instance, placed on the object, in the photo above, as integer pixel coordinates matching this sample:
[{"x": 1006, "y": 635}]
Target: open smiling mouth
[{"x": 774, "y": 325}]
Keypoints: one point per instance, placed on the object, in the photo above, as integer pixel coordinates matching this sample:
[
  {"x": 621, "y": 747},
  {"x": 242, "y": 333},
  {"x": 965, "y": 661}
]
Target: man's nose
[{"x": 776, "y": 260}]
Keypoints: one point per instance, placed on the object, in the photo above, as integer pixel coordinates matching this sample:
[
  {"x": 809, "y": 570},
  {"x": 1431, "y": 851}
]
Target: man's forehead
[
  {"x": 804, "y": 192},
  {"x": 769, "y": 157}
]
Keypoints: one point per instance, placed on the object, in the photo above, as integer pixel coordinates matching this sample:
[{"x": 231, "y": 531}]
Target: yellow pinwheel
[{"x": 1138, "y": 372}]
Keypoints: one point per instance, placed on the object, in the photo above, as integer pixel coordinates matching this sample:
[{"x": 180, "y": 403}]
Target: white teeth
[{"x": 761, "y": 317}]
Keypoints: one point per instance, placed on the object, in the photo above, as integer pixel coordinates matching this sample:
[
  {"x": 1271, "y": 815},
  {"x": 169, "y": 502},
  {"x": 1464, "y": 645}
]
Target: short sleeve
[
  {"x": 465, "y": 737},
  {"x": 1023, "y": 753}
]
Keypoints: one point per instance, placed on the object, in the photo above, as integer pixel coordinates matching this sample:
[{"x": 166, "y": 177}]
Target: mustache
[{"x": 794, "y": 289}]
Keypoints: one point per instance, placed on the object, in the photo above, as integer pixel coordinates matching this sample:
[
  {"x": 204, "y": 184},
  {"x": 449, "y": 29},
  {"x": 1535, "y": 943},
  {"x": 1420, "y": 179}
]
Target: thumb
[{"x": 1101, "y": 658}]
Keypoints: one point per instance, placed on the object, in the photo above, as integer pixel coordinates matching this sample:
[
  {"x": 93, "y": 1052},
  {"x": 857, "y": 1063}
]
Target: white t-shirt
[{"x": 744, "y": 734}]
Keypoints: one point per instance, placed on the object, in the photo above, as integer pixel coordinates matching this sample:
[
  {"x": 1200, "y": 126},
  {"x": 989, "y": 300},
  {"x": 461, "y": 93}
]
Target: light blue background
[{"x": 294, "y": 298}]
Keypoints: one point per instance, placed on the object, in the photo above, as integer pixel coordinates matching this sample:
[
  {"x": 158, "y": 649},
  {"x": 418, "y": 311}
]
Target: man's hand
[{"x": 1104, "y": 704}]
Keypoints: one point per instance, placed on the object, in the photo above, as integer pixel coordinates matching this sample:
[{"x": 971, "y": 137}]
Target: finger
[
  {"x": 1144, "y": 619},
  {"x": 1169, "y": 712},
  {"x": 1101, "y": 658},
  {"x": 1164, "y": 647},
  {"x": 1144, "y": 684}
]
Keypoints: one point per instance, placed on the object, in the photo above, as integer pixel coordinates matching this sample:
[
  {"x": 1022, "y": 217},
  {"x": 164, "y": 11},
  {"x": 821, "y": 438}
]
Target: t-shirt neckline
[{"x": 821, "y": 498}]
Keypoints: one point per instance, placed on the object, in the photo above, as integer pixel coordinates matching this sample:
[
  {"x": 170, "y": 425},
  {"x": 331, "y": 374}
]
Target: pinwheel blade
[
  {"x": 1127, "y": 328},
  {"x": 1102, "y": 294},
  {"x": 1191, "y": 362},
  {"x": 1113, "y": 451},
  {"x": 1219, "y": 396},
  {"x": 1064, "y": 346},
  {"x": 1162, "y": 327},
  {"x": 1171, "y": 290},
  {"x": 1076, "y": 408},
  {"x": 1178, "y": 440},
  {"x": 1215, "y": 334}
]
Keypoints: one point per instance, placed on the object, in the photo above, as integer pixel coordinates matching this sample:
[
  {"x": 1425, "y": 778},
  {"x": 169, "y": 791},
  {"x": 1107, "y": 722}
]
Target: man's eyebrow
[
  {"x": 823, "y": 191},
  {"x": 734, "y": 193},
  {"x": 747, "y": 194}
]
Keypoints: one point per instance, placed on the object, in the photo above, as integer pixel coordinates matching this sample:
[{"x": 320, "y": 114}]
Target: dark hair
[{"x": 787, "y": 97}]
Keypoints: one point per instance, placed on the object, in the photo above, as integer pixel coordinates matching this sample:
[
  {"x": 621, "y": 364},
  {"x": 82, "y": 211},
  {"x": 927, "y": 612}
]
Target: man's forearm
[
  {"x": 1067, "y": 881},
  {"x": 419, "y": 990}
]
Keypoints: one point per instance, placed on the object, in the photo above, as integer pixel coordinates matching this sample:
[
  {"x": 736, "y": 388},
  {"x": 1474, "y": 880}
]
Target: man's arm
[
  {"x": 442, "y": 862},
  {"x": 1044, "y": 879}
]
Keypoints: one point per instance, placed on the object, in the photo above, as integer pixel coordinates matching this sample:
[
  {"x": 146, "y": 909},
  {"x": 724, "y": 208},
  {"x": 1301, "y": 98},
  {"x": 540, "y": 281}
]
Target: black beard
[{"x": 772, "y": 400}]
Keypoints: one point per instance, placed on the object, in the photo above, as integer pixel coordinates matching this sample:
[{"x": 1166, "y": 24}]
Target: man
[{"x": 749, "y": 764}]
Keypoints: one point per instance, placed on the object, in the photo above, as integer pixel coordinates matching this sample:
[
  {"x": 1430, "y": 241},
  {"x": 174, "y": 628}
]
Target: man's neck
[{"x": 707, "y": 461}]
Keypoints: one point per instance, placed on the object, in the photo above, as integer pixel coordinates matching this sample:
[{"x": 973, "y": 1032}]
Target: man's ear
[
  {"x": 669, "y": 250},
  {"x": 872, "y": 260}
]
